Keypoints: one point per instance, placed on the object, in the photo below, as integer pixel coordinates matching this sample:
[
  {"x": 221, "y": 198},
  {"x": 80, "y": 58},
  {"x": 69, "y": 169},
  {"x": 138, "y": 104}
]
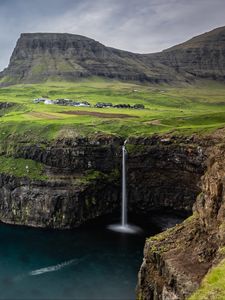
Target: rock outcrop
[
  {"x": 59, "y": 203},
  {"x": 176, "y": 261},
  {"x": 41, "y": 56},
  {"x": 82, "y": 183},
  {"x": 84, "y": 179},
  {"x": 164, "y": 172}
]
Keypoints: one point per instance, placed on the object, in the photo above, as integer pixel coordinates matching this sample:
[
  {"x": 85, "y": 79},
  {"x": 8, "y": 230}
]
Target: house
[
  {"x": 122, "y": 106},
  {"x": 39, "y": 100},
  {"x": 62, "y": 101},
  {"x": 82, "y": 103},
  {"x": 48, "y": 101},
  {"x": 138, "y": 106},
  {"x": 69, "y": 102},
  {"x": 86, "y": 103},
  {"x": 103, "y": 105}
]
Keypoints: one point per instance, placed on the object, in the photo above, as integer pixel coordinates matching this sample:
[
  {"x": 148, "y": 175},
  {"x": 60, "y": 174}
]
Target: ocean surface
[{"x": 91, "y": 262}]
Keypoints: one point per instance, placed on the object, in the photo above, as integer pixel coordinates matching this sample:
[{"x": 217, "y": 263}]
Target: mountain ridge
[
  {"x": 201, "y": 37},
  {"x": 41, "y": 56}
]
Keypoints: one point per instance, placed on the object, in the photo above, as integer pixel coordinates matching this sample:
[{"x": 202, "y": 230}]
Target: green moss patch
[
  {"x": 213, "y": 285},
  {"x": 20, "y": 167},
  {"x": 167, "y": 239},
  {"x": 94, "y": 176}
]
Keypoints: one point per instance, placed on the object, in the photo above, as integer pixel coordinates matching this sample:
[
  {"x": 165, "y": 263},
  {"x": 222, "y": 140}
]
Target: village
[{"x": 69, "y": 102}]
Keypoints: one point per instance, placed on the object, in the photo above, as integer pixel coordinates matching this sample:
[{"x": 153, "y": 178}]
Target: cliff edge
[{"x": 176, "y": 261}]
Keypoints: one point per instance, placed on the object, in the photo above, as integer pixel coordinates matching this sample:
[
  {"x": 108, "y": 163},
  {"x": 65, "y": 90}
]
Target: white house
[{"x": 47, "y": 101}]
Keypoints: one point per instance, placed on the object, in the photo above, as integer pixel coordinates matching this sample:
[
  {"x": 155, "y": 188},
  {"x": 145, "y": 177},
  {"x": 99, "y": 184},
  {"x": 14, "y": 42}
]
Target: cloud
[{"x": 135, "y": 25}]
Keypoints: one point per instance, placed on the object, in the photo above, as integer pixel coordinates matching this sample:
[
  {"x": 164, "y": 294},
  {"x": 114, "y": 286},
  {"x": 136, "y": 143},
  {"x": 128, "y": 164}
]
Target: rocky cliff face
[
  {"x": 59, "y": 203},
  {"x": 176, "y": 261},
  {"x": 82, "y": 184},
  {"x": 39, "y": 56},
  {"x": 84, "y": 179},
  {"x": 201, "y": 57},
  {"x": 163, "y": 172}
]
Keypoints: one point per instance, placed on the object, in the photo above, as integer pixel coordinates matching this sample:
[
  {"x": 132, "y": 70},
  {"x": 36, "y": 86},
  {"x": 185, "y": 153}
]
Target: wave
[
  {"x": 52, "y": 268},
  {"x": 49, "y": 269}
]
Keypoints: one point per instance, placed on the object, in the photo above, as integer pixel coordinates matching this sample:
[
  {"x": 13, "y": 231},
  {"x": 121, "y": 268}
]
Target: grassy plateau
[{"x": 196, "y": 108}]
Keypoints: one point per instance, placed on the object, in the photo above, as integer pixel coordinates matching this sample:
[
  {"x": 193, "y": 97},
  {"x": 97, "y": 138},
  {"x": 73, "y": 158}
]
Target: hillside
[
  {"x": 55, "y": 56},
  {"x": 41, "y": 56},
  {"x": 198, "y": 108},
  {"x": 202, "y": 56}
]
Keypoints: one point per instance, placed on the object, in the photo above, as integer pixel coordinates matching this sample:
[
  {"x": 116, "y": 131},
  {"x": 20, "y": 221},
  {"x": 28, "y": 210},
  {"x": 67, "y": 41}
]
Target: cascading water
[
  {"x": 124, "y": 187},
  {"x": 124, "y": 226}
]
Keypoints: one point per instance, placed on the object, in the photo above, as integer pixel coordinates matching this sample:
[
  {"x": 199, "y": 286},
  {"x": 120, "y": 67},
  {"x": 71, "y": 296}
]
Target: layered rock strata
[
  {"x": 56, "y": 56},
  {"x": 84, "y": 179},
  {"x": 176, "y": 261}
]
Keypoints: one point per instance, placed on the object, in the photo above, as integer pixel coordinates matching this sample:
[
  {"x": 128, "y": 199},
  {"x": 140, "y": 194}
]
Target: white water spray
[
  {"x": 124, "y": 226},
  {"x": 51, "y": 268}
]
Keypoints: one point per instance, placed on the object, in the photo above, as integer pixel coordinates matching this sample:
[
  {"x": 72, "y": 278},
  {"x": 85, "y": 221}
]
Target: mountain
[
  {"x": 202, "y": 56},
  {"x": 40, "y": 56}
]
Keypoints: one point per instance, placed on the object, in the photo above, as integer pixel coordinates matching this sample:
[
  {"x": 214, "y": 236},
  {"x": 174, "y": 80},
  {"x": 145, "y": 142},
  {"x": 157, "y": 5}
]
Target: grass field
[
  {"x": 197, "y": 108},
  {"x": 213, "y": 285}
]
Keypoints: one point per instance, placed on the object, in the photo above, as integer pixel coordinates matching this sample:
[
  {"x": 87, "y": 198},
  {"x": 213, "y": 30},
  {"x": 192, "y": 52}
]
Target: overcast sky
[{"x": 142, "y": 26}]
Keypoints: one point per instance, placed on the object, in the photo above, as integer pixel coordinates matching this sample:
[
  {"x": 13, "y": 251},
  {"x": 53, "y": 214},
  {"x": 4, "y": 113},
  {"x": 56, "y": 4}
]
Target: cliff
[
  {"x": 81, "y": 179},
  {"x": 202, "y": 57},
  {"x": 176, "y": 261},
  {"x": 41, "y": 56}
]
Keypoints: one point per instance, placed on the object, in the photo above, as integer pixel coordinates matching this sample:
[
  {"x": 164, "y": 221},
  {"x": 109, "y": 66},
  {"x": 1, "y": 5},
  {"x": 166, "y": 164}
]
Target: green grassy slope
[
  {"x": 213, "y": 285},
  {"x": 188, "y": 109}
]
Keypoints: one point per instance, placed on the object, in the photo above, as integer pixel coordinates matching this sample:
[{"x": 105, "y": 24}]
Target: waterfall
[
  {"x": 124, "y": 187},
  {"x": 124, "y": 227}
]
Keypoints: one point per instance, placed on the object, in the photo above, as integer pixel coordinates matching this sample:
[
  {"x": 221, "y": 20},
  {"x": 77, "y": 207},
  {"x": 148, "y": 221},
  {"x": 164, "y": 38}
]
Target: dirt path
[
  {"x": 97, "y": 114},
  {"x": 43, "y": 115}
]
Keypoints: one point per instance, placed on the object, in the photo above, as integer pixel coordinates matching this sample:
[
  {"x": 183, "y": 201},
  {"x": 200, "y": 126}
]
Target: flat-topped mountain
[{"x": 41, "y": 56}]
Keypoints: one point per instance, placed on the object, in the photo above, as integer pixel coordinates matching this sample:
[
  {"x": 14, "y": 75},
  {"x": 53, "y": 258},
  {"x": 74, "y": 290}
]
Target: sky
[{"x": 141, "y": 26}]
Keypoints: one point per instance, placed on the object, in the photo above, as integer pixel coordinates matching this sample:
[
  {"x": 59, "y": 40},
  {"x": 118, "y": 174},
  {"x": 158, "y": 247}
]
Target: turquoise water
[{"x": 87, "y": 263}]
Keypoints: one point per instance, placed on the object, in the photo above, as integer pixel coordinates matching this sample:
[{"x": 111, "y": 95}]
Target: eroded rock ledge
[
  {"x": 176, "y": 261},
  {"x": 83, "y": 179}
]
